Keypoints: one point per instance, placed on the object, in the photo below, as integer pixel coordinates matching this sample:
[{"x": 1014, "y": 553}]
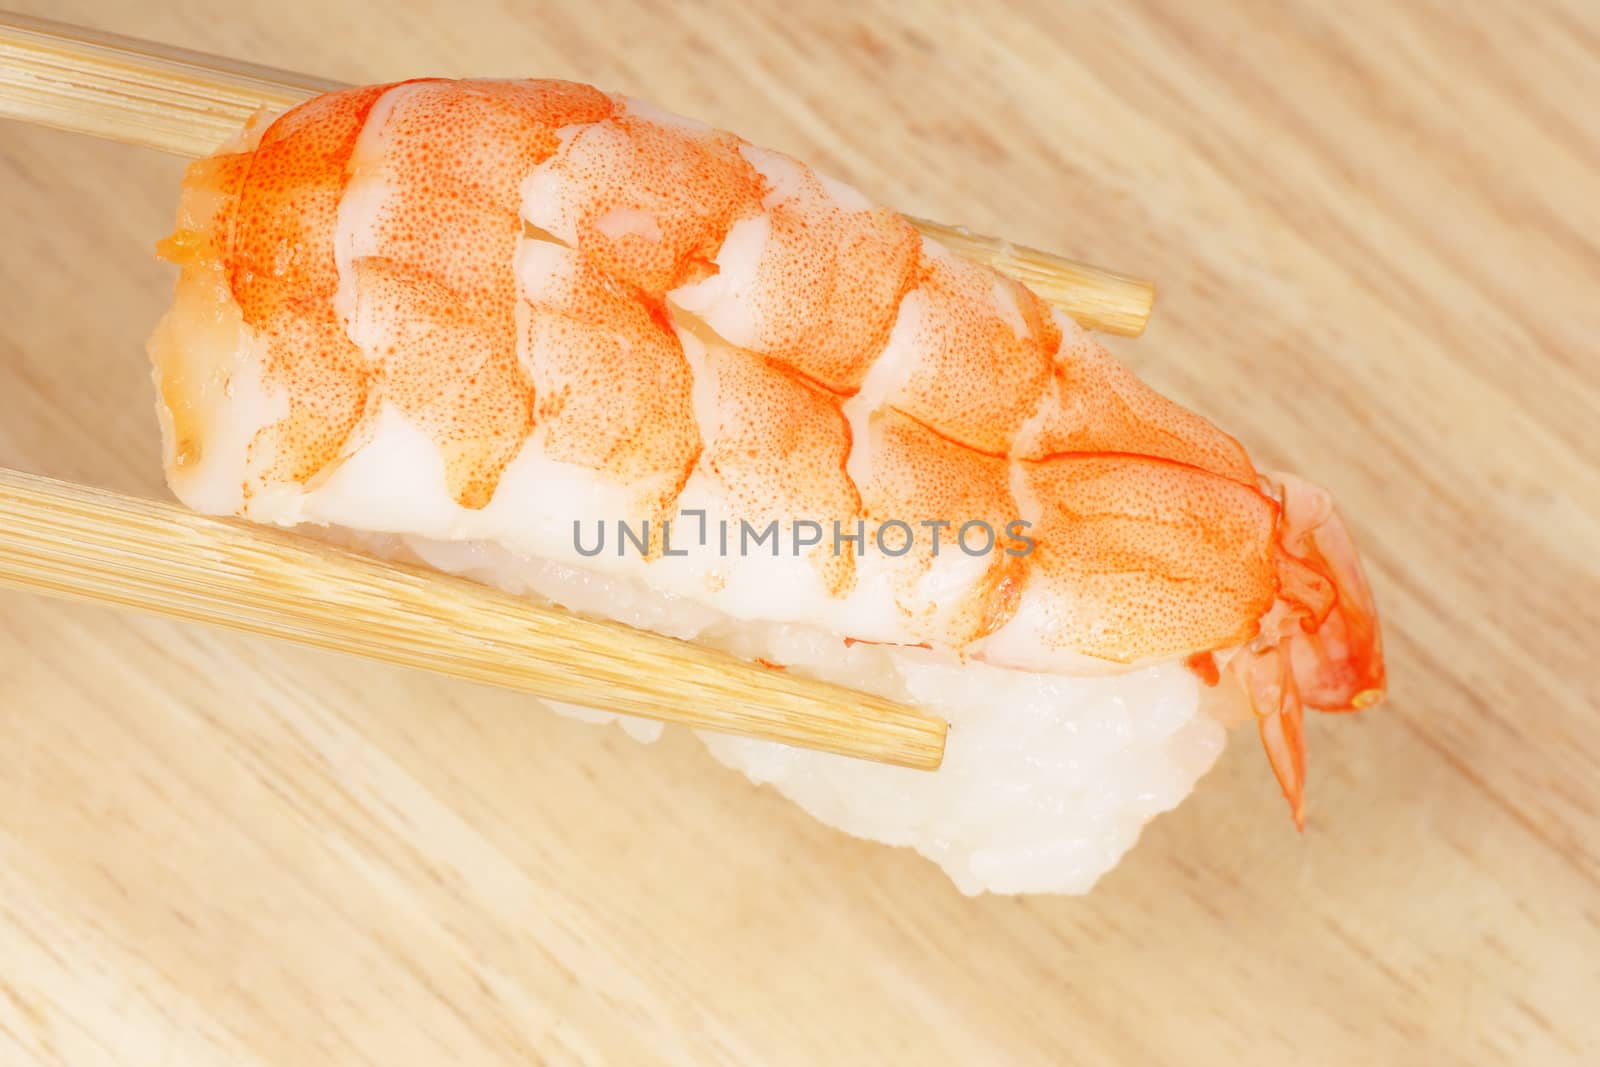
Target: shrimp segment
[
  {"x": 1097, "y": 405},
  {"x": 979, "y": 349},
  {"x": 614, "y": 391},
  {"x": 646, "y": 197},
  {"x": 186, "y": 374},
  {"x": 450, "y": 369},
  {"x": 814, "y": 280},
  {"x": 953, "y": 500},
  {"x": 776, "y": 447},
  {"x": 435, "y": 292},
  {"x": 282, "y": 276},
  {"x": 1141, "y": 558}
]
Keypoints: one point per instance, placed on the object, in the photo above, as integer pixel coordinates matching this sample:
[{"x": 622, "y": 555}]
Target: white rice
[{"x": 1047, "y": 779}]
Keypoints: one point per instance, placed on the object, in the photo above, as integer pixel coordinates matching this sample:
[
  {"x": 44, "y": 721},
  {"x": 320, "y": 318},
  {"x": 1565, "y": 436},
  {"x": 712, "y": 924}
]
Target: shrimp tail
[
  {"x": 1320, "y": 646},
  {"x": 1275, "y": 698},
  {"x": 1336, "y": 653}
]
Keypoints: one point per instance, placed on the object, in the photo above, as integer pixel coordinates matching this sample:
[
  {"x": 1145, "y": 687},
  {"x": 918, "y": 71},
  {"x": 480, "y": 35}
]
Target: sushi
[{"x": 601, "y": 355}]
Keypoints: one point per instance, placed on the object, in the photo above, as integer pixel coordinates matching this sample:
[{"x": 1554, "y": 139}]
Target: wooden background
[{"x": 1374, "y": 226}]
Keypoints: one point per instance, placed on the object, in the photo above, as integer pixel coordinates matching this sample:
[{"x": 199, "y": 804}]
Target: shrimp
[{"x": 495, "y": 311}]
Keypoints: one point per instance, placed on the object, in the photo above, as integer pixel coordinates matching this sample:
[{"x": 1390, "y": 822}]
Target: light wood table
[{"x": 1375, "y": 229}]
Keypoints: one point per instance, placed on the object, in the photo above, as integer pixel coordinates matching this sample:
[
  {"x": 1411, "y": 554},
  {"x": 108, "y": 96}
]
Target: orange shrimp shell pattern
[{"x": 1155, "y": 536}]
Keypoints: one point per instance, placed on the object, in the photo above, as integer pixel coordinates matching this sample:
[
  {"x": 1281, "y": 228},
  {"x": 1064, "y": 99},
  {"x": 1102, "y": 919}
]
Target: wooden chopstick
[
  {"x": 72, "y": 541},
  {"x": 141, "y": 93}
]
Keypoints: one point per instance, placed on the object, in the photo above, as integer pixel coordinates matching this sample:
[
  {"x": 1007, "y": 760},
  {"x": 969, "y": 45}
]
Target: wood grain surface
[{"x": 1374, "y": 227}]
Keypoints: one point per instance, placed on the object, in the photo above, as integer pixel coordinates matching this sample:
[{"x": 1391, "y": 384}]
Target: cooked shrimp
[{"x": 495, "y": 311}]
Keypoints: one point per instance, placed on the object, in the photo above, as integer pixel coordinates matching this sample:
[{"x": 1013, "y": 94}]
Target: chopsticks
[
  {"x": 142, "y": 93},
  {"x": 72, "y": 541}
]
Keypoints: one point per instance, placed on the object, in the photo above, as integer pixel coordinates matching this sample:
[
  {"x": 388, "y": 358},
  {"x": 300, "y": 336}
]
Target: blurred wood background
[{"x": 1375, "y": 232}]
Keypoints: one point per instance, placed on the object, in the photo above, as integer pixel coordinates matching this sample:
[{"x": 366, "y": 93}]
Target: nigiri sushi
[{"x": 595, "y": 353}]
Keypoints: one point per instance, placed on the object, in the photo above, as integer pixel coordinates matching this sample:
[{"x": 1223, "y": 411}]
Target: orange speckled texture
[
  {"x": 1149, "y": 557},
  {"x": 693, "y": 186},
  {"x": 979, "y": 379},
  {"x": 614, "y": 393},
  {"x": 1154, "y": 540},
  {"x": 779, "y": 450},
  {"x": 438, "y": 279},
  {"x": 282, "y": 272},
  {"x": 1101, "y": 407},
  {"x": 829, "y": 285},
  {"x": 452, "y": 370},
  {"x": 454, "y": 157},
  {"x": 919, "y": 476}
]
